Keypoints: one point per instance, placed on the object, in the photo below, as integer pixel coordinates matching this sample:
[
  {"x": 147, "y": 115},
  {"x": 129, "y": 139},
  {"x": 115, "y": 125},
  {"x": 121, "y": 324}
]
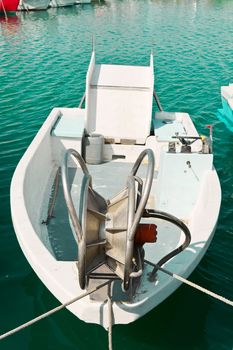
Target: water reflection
[
  {"x": 9, "y": 25},
  {"x": 34, "y": 15}
]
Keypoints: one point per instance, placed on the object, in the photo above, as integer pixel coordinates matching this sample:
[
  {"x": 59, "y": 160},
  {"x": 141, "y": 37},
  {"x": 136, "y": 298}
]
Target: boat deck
[
  {"x": 115, "y": 177},
  {"x": 59, "y": 226}
]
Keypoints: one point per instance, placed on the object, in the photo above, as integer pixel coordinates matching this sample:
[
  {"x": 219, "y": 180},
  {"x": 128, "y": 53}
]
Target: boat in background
[
  {"x": 33, "y": 4},
  {"x": 80, "y": 2},
  {"x": 109, "y": 193},
  {"x": 226, "y": 113},
  {"x": 61, "y": 3},
  {"x": 8, "y": 6}
]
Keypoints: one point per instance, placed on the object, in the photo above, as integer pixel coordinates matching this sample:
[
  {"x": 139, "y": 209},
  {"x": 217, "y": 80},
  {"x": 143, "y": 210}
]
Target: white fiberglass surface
[{"x": 108, "y": 179}]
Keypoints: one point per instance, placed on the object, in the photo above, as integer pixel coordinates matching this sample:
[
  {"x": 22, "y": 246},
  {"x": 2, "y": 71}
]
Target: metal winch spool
[{"x": 106, "y": 229}]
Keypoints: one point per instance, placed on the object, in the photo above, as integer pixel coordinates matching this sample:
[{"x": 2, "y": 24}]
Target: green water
[{"x": 44, "y": 58}]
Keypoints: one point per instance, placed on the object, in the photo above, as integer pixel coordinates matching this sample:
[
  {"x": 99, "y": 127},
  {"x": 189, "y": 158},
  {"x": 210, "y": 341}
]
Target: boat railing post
[
  {"x": 157, "y": 101},
  {"x": 134, "y": 217},
  {"x": 67, "y": 195},
  {"x": 82, "y": 100}
]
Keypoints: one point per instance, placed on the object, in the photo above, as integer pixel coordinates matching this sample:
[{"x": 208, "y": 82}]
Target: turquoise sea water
[{"x": 44, "y": 58}]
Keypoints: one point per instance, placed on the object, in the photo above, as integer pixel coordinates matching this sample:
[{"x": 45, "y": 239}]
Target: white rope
[
  {"x": 110, "y": 311},
  {"x": 194, "y": 285},
  {"x": 48, "y": 313}
]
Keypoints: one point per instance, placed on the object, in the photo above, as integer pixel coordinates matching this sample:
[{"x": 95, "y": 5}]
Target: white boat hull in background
[
  {"x": 61, "y": 3},
  {"x": 33, "y": 4},
  {"x": 225, "y": 114},
  {"x": 80, "y": 2}
]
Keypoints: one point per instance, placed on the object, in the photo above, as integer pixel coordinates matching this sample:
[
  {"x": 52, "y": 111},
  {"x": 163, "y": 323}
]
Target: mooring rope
[
  {"x": 4, "y": 10},
  {"x": 109, "y": 299},
  {"x": 48, "y": 313},
  {"x": 192, "y": 284}
]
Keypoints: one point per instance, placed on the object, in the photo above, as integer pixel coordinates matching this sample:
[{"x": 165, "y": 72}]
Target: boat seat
[
  {"x": 106, "y": 75},
  {"x": 119, "y": 100},
  {"x": 70, "y": 123}
]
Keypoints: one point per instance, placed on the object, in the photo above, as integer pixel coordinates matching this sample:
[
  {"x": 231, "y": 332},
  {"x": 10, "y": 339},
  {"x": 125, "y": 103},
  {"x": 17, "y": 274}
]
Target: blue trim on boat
[
  {"x": 225, "y": 114},
  {"x": 227, "y": 109},
  {"x": 222, "y": 117}
]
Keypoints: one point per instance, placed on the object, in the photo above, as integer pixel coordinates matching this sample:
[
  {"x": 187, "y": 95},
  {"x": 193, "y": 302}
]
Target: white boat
[
  {"x": 80, "y": 2},
  {"x": 226, "y": 113},
  {"x": 61, "y": 3},
  {"x": 33, "y": 4},
  {"x": 94, "y": 220}
]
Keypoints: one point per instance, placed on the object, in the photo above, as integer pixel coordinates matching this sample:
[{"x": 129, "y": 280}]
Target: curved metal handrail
[
  {"x": 82, "y": 246},
  {"x": 147, "y": 187},
  {"x": 66, "y": 190},
  {"x": 174, "y": 220},
  {"x": 134, "y": 218}
]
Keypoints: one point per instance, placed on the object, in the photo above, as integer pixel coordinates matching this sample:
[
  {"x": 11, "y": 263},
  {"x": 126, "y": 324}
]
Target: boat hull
[
  {"x": 9, "y": 5},
  {"x": 80, "y": 2},
  {"x": 76, "y": 218},
  {"x": 34, "y": 178}
]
